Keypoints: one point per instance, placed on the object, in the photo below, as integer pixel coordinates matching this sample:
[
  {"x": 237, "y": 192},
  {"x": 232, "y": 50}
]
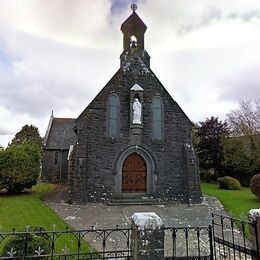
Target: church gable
[{"x": 96, "y": 115}]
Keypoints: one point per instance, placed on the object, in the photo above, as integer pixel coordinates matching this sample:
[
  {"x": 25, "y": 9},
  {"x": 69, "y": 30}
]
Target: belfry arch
[{"x": 133, "y": 42}]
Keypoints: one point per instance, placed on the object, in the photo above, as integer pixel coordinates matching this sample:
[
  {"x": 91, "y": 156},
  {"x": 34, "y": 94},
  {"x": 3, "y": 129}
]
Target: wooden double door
[{"x": 134, "y": 174}]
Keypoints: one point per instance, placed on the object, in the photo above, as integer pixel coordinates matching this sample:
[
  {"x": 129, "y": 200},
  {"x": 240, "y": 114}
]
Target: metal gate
[
  {"x": 225, "y": 238},
  {"x": 230, "y": 238}
]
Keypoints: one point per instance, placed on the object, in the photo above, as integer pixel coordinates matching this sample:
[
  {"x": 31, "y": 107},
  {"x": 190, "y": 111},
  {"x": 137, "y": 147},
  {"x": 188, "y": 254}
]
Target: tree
[
  {"x": 211, "y": 133},
  {"x": 240, "y": 161},
  {"x": 28, "y": 134},
  {"x": 19, "y": 166},
  {"x": 245, "y": 121},
  {"x": 242, "y": 150},
  {"x": 194, "y": 135}
]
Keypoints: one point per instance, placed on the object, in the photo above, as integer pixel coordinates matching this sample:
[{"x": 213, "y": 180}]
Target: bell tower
[{"x": 133, "y": 29}]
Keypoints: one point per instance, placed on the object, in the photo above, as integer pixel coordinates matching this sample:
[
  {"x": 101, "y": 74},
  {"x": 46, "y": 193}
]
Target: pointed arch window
[
  {"x": 113, "y": 116},
  {"x": 56, "y": 158},
  {"x": 157, "y": 122}
]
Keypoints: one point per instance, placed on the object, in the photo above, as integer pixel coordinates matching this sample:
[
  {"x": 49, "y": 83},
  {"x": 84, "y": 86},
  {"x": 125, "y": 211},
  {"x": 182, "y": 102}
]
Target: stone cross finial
[{"x": 133, "y": 7}]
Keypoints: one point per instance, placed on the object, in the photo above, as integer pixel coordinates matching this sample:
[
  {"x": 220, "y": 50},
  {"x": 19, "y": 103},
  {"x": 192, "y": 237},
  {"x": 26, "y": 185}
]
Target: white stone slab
[
  {"x": 254, "y": 213},
  {"x": 147, "y": 220}
]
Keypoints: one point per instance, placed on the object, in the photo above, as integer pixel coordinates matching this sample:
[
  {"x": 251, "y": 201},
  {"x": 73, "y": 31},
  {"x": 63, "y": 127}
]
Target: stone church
[{"x": 132, "y": 141}]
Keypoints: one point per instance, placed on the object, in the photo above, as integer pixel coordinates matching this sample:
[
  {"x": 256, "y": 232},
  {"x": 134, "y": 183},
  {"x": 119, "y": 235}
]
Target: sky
[{"x": 58, "y": 54}]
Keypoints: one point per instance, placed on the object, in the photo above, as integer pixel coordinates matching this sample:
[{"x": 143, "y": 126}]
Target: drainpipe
[
  {"x": 64, "y": 133},
  {"x": 61, "y": 164}
]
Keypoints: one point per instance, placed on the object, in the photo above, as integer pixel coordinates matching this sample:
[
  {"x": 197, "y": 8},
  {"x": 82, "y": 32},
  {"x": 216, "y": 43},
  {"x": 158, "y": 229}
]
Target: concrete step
[{"x": 134, "y": 201}]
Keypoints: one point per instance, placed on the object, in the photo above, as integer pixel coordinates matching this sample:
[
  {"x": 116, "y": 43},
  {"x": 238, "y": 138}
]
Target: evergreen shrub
[
  {"x": 19, "y": 167},
  {"x": 229, "y": 183},
  {"x": 35, "y": 239}
]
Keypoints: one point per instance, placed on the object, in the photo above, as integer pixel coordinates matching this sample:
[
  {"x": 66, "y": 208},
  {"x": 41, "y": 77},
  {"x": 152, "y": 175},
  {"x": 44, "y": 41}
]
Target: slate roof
[{"x": 60, "y": 134}]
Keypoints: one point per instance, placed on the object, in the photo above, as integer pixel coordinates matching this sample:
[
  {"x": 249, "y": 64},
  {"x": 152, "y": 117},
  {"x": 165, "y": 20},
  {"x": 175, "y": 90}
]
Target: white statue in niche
[{"x": 137, "y": 111}]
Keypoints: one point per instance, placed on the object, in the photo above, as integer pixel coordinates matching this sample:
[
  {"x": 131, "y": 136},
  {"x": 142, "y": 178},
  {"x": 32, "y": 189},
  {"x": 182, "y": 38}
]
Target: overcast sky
[{"x": 58, "y": 54}]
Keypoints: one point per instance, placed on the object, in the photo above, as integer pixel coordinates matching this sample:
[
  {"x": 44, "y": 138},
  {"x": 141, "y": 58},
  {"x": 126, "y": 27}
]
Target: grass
[
  {"x": 28, "y": 209},
  {"x": 236, "y": 202}
]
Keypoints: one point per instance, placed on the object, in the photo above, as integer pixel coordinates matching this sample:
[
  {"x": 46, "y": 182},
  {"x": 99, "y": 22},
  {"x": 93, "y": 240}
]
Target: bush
[
  {"x": 229, "y": 183},
  {"x": 34, "y": 241},
  {"x": 255, "y": 185},
  {"x": 19, "y": 167}
]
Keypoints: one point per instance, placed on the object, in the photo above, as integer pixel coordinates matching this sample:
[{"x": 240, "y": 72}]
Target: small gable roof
[
  {"x": 137, "y": 87},
  {"x": 132, "y": 24},
  {"x": 61, "y": 134}
]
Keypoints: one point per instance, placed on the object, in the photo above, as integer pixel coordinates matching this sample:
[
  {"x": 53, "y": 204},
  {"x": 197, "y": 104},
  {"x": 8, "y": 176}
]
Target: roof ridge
[{"x": 64, "y": 118}]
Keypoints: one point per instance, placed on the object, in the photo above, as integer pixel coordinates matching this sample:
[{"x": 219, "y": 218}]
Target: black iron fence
[
  {"x": 68, "y": 244},
  {"x": 225, "y": 238},
  {"x": 188, "y": 243}
]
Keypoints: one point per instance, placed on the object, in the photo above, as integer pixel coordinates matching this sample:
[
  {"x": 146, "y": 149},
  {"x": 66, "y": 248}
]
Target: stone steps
[{"x": 134, "y": 201}]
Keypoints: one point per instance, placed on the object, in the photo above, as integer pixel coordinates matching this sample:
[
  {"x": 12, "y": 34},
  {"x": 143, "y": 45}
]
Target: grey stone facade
[{"x": 172, "y": 169}]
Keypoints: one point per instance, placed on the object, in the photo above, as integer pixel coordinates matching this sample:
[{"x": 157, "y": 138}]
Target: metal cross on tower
[{"x": 133, "y": 7}]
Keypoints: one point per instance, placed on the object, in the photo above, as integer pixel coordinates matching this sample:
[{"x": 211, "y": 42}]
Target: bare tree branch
[{"x": 246, "y": 119}]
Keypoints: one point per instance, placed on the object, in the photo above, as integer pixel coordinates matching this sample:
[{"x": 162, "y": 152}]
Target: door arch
[{"x": 134, "y": 174}]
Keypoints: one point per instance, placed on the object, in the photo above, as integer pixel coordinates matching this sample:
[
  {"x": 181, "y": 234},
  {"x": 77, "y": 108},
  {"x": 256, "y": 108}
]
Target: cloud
[
  {"x": 216, "y": 14},
  {"x": 58, "y": 54},
  {"x": 243, "y": 85},
  {"x": 48, "y": 78},
  {"x": 119, "y": 6}
]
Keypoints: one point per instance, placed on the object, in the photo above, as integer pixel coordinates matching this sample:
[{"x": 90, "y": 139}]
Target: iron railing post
[
  {"x": 25, "y": 244},
  {"x": 211, "y": 243},
  {"x": 256, "y": 239}
]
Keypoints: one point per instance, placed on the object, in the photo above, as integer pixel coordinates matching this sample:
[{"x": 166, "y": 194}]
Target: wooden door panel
[{"x": 134, "y": 174}]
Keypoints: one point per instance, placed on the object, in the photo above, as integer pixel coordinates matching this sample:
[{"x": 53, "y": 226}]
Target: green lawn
[
  {"x": 236, "y": 202},
  {"x": 28, "y": 209}
]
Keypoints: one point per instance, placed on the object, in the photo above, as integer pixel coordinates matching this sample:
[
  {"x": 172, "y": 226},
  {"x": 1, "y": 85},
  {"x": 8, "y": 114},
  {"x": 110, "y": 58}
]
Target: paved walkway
[{"x": 104, "y": 216}]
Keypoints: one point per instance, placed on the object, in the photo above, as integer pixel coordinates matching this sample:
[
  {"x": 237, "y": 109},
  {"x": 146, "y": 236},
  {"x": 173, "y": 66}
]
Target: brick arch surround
[{"x": 150, "y": 166}]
